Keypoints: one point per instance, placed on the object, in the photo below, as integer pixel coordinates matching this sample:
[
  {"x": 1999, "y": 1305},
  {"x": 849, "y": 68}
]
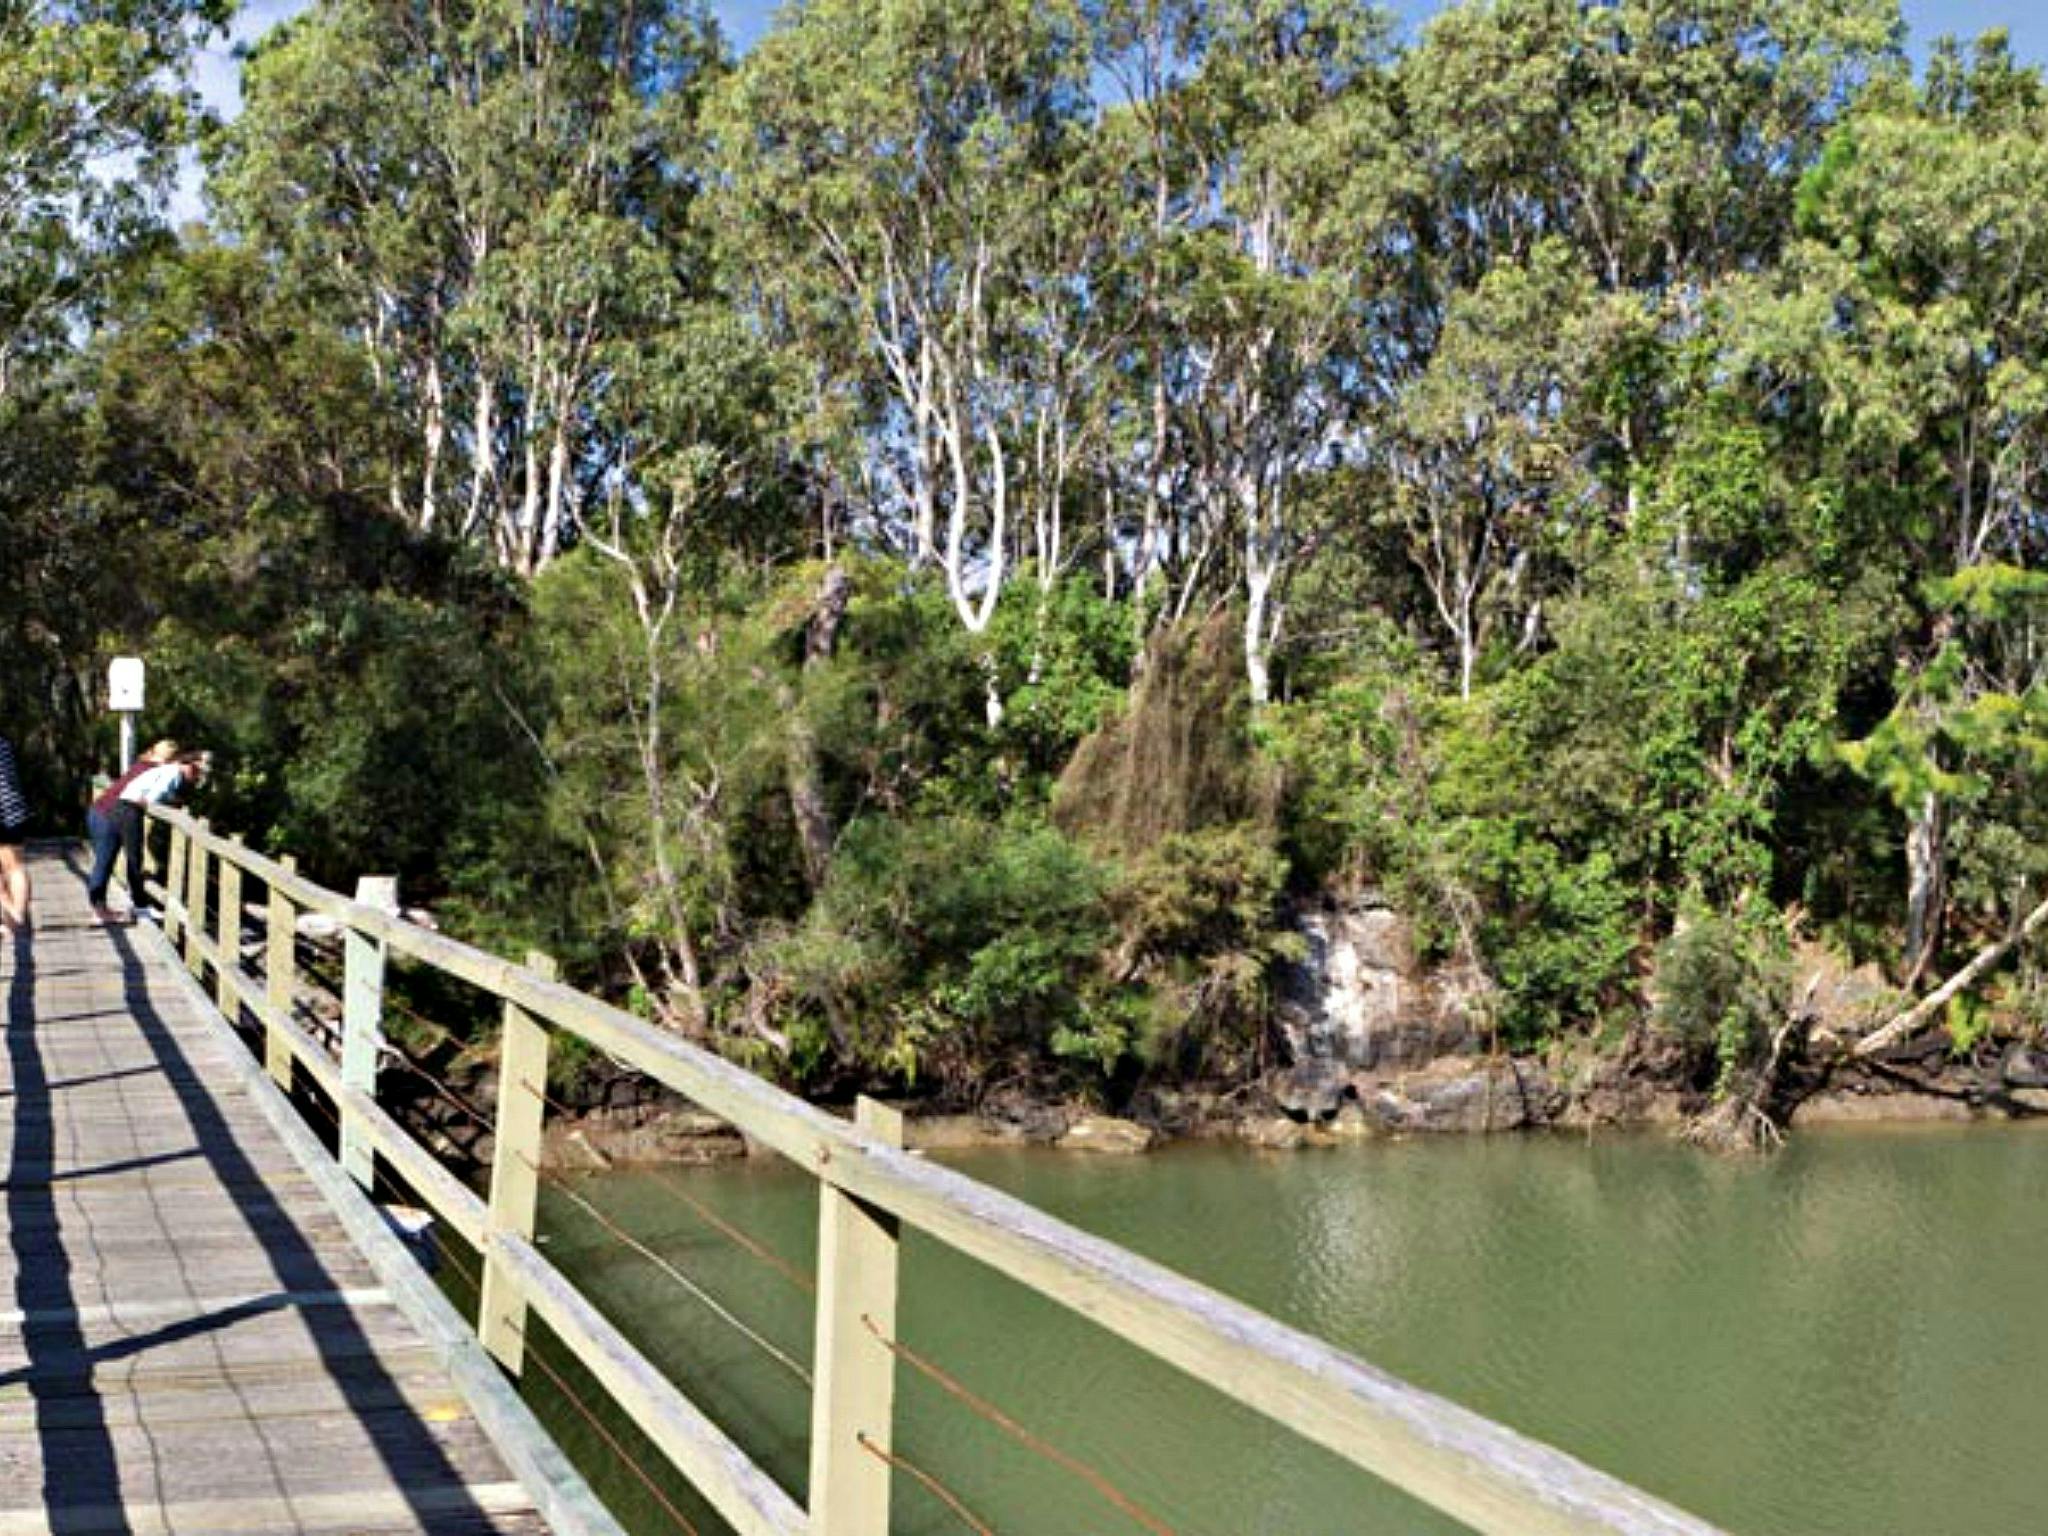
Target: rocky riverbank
[
  {"x": 1373, "y": 1044},
  {"x": 1296, "y": 1109}
]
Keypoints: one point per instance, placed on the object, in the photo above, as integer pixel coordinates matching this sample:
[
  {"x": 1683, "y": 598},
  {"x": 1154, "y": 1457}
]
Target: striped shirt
[{"x": 13, "y": 803}]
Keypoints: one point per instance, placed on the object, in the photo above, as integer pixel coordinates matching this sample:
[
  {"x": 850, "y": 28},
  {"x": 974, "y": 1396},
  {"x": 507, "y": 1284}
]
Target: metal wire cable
[
  {"x": 759, "y": 1250},
  {"x": 931, "y": 1484},
  {"x": 984, "y": 1409},
  {"x": 775, "y": 1261},
  {"x": 576, "y": 1400},
  {"x": 626, "y": 1239},
  {"x": 471, "y": 1278},
  {"x": 1102, "y": 1485},
  {"x": 621, "y": 1235}
]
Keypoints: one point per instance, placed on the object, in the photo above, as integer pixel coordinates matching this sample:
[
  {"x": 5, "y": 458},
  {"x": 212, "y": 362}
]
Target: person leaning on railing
[
  {"x": 14, "y": 888},
  {"x": 153, "y": 786},
  {"x": 104, "y": 827}
]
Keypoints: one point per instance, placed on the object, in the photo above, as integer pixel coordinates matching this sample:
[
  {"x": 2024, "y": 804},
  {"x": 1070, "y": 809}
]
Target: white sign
[{"x": 124, "y": 683}]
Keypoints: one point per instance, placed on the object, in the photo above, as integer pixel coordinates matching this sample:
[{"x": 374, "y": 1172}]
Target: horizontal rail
[
  {"x": 1489, "y": 1477},
  {"x": 449, "y": 1198},
  {"x": 751, "y": 1502}
]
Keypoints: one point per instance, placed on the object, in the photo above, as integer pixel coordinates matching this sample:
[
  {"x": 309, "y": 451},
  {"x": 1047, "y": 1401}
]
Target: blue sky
[{"x": 745, "y": 20}]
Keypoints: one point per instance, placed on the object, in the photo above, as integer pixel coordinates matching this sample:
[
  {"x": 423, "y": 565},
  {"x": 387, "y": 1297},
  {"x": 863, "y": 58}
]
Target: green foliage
[
  {"x": 1558, "y": 935},
  {"x": 903, "y": 555},
  {"x": 1198, "y": 922},
  {"x": 1722, "y": 987},
  {"x": 1969, "y": 1022},
  {"x": 1342, "y": 753},
  {"x": 939, "y": 947},
  {"x": 1064, "y": 657}
]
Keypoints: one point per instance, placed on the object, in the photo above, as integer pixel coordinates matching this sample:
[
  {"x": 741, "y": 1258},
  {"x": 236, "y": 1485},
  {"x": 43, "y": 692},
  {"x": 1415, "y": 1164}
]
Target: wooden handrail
[{"x": 1487, "y": 1476}]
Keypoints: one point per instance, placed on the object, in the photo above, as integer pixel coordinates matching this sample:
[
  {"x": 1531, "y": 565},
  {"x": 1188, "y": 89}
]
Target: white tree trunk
[
  {"x": 434, "y": 444},
  {"x": 483, "y": 469},
  {"x": 1926, "y": 886}
]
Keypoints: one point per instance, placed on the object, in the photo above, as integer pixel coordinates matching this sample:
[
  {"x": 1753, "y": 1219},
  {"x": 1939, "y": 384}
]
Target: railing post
[
  {"x": 362, "y": 1024},
  {"x": 280, "y": 979},
  {"x": 515, "y": 1171},
  {"x": 228, "y": 938},
  {"x": 174, "y": 881},
  {"x": 855, "y": 1394},
  {"x": 195, "y": 902}
]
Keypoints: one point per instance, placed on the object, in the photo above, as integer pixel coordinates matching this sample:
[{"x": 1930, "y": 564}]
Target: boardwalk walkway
[{"x": 189, "y": 1339}]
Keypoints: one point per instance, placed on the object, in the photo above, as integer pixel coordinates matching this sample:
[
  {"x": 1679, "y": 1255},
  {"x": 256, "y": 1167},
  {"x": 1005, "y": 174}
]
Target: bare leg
[{"x": 14, "y": 891}]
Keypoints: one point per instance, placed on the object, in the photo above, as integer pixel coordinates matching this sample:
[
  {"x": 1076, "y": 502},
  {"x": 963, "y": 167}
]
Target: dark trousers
[
  {"x": 112, "y": 834},
  {"x": 105, "y": 833}
]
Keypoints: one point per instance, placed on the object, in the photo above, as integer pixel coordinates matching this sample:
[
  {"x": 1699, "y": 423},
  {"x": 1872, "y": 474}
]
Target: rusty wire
[
  {"x": 626, "y": 1239},
  {"x": 758, "y": 1249},
  {"x": 667, "y": 1267},
  {"x": 768, "y": 1256},
  {"x": 931, "y": 1484},
  {"x": 575, "y": 1398},
  {"x": 1137, "y": 1512}
]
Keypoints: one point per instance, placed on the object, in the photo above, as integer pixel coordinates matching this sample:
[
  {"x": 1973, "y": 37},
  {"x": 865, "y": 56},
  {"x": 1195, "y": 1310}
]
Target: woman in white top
[{"x": 185, "y": 771}]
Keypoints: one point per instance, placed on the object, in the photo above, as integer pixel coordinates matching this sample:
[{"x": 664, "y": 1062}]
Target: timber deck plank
[{"x": 188, "y": 1339}]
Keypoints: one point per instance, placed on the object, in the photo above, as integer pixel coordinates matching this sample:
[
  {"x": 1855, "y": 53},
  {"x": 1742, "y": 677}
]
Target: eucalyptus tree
[
  {"x": 1284, "y": 252},
  {"x": 93, "y": 111},
  {"x": 1481, "y": 457},
  {"x": 478, "y": 193},
  {"x": 1593, "y": 175},
  {"x": 94, "y": 107},
  {"x": 888, "y": 177},
  {"x": 1914, "y": 313}
]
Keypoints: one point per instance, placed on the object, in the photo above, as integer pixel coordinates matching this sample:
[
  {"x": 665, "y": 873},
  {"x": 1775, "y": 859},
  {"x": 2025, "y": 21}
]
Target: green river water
[{"x": 1846, "y": 1340}]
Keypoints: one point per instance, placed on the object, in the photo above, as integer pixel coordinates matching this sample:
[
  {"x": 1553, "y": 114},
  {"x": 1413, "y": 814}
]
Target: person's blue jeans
[
  {"x": 105, "y": 833},
  {"x": 111, "y": 836}
]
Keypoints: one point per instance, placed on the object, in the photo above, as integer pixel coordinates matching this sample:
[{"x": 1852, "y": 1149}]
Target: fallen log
[{"x": 1904, "y": 1025}]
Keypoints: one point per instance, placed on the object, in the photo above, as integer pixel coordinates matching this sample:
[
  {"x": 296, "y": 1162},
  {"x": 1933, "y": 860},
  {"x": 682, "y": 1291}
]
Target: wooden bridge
[{"x": 215, "y": 1330}]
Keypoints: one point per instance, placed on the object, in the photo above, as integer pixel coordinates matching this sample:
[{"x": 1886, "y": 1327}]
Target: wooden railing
[{"x": 1484, "y": 1475}]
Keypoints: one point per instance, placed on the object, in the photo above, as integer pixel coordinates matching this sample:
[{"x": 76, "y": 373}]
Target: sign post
[{"x": 124, "y": 697}]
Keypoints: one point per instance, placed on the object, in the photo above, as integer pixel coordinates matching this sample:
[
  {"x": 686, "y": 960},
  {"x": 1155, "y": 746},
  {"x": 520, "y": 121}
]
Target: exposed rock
[
  {"x": 1360, "y": 1000},
  {"x": 682, "y": 1135},
  {"x": 1458, "y": 1094},
  {"x": 1839, "y": 1001},
  {"x": 1863, "y": 1106},
  {"x": 1310, "y": 1090},
  {"x": 674, "y": 1139},
  {"x": 1352, "y": 1123},
  {"x": 2024, "y": 1067},
  {"x": 1016, "y": 1116},
  {"x": 1606, "y": 1091},
  {"x": 950, "y": 1133},
  {"x": 1101, "y": 1133},
  {"x": 1277, "y": 1134},
  {"x": 1179, "y": 1112}
]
